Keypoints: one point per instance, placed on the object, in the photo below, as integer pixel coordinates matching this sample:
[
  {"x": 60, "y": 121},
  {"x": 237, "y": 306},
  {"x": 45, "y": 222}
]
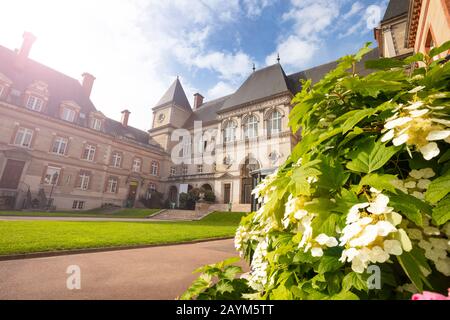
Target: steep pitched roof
[
  {"x": 207, "y": 112},
  {"x": 64, "y": 88},
  {"x": 396, "y": 8},
  {"x": 176, "y": 95},
  {"x": 260, "y": 84},
  {"x": 318, "y": 72},
  {"x": 60, "y": 86}
]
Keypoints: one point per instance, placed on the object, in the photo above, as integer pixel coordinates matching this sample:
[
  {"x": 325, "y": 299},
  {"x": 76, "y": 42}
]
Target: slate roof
[
  {"x": 176, "y": 95},
  {"x": 207, "y": 112},
  {"x": 396, "y": 8},
  {"x": 265, "y": 83},
  {"x": 260, "y": 84},
  {"x": 63, "y": 88}
]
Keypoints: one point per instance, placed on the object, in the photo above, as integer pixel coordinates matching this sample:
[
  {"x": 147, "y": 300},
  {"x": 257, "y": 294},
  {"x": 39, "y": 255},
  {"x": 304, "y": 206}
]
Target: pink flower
[{"x": 427, "y": 295}]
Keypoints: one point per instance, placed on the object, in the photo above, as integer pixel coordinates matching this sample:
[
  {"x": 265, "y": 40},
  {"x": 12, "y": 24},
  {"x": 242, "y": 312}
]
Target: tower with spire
[{"x": 169, "y": 114}]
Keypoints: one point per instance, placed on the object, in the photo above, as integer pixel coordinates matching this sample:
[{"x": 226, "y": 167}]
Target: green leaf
[
  {"x": 329, "y": 264},
  {"x": 231, "y": 272},
  {"x": 445, "y": 157},
  {"x": 224, "y": 287},
  {"x": 441, "y": 213},
  {"x": 356, "y": 118},
  {"x": 281, "y": 293},
  {"x": 363, "y": 51},
  {"x": 354, "y": 280},
  {"x": 345, "y": 295},
  {"x": 439, "y": 188},
  {"x": 418, "y": 57},
  {"x": 370, "y": 156},
  {"x": 384, "y": 64},
  {"x": 410, "y": 206},
  {"x": 301, "y": 175},
  {"x": 378, "y": 181},
  {"x": 414, "y": 264},
  {"x": 443, "y": 48},
  {"x": 332, "y": 176}
]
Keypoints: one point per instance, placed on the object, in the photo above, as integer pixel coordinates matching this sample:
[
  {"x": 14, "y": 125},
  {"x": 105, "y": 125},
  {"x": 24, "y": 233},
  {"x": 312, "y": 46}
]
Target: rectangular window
[
  {"x": 155, "y": 166},
  {"x": 59, "y": 146},
  {"x": 136, "y": 165},
  {"x": 173, "y": 171},
  {"x": 200, "y": 168},
  {"x": 1, "y": 91},
  {"x": 68, "y": 114},
  {"x": 96, "y": 124},
  {"x": 52, "y": 175},
  {"x": 89, "y": 153},
  {"x": 185, "y": 171},
  {"x": 112, "y": 185},
  {"x": 34, "y": 103},
  {"x": 23, "y": 137},
  {"x": 85, "y": 177},
  {"x": 77, "y": 205},
  {"x": 116, "y": 160}
]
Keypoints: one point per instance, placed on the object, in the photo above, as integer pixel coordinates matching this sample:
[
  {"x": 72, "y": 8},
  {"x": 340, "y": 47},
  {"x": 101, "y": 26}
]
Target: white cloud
[
  {"x": 356, "y": 8},
  {"x": 219, "y": 90},
  {"x": 131, "y": 47},
  {"x": 254, "y": 8},
  {"x": 311, "y": 19},
  {"x": 294, "y": 51}
]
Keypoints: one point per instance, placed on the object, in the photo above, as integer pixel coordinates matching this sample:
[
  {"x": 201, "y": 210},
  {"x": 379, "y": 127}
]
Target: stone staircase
[
  {"x": 201, "y": 211},
  {"x": 179, "y": 215}
]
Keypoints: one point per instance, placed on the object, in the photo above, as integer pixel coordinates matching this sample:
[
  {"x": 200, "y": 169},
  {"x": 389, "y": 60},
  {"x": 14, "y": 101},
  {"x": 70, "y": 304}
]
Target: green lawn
[
  {"x": 38, "y": 236},
  {"x": 123, "y": 213}
]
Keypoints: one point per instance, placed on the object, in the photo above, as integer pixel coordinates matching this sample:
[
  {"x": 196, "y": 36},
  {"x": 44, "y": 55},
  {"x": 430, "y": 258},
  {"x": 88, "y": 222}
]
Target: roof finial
[
  {"x": 278, "y": 57},
  {"x": 254, "y": 68}
]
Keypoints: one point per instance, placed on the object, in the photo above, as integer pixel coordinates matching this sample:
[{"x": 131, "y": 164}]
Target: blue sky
[{"x": 136, "y": 48}]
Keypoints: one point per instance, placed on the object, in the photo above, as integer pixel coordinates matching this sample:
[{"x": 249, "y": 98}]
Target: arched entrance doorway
[
  {"x": 207, "y": 187},
  {"x": 250, "y": 164}
]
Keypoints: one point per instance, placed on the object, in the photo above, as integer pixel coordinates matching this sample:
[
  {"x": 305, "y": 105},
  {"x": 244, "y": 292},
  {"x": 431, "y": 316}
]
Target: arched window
[
  {"x": 229, "y": 131},
  {"x": 251, "y": 127},
  {"x": 429, "y": 44},
  {"x": 274, "y": 123}
]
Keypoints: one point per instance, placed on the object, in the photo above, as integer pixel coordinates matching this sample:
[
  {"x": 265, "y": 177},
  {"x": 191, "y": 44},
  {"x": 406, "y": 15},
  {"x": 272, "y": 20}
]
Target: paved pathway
[
  {"x": 151, "y": 273},
  {"x": 12, "y": 218}
]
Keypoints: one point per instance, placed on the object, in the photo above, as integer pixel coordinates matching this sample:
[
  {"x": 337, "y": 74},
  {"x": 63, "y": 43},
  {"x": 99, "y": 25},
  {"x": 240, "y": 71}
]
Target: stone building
[
  {"x": 54, "y": 143},
  {"x": 411, "y": 26}
]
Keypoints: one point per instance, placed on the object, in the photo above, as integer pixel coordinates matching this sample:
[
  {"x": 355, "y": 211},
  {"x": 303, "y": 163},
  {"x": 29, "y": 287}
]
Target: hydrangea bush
[{"x": 366, "y": 186}]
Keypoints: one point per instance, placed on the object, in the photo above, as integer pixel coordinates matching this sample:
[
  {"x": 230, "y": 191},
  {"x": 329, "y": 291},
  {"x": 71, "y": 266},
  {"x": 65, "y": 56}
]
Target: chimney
[
  {"x": 87, "y": 83},
  {"x": 27, "y": 43},
  {"x": 125, "y": 116},
  {"x": 198, "y": 100}
]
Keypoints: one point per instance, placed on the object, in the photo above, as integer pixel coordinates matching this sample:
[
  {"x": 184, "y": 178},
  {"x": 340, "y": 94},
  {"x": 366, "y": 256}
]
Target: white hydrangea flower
[
  {"x": 257, "y": 277},
  {"x": 368, "y": 225},
  {"x": 415, "y": 125}
]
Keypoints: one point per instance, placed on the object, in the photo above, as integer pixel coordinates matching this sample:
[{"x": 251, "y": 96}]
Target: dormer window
[
  {"x": 96, "y": 124},
  {"x": 34, "y": 103},
  {"x": 68, "y": 114}
]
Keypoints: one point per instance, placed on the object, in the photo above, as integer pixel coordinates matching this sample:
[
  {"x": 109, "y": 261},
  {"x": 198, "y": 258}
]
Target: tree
[{"x": 365, "y": 189}]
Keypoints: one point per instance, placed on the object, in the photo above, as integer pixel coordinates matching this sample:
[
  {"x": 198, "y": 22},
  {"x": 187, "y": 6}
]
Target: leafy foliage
[{"x": 367, "y": 185}]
